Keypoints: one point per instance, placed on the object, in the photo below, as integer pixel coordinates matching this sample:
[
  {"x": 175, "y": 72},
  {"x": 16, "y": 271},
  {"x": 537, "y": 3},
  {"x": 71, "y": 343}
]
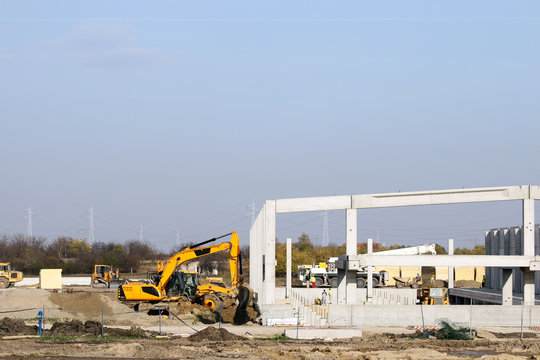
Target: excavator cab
[{"x": 183, "y": 283}]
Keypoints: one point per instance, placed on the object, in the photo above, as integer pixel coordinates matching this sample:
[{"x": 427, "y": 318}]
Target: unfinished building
[{"x": 263, "y": 235}]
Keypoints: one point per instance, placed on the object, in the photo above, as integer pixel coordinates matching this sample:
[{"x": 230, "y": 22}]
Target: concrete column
[
  {"x": 270, "y": 251},
  {"x": 528, "y": 249},
  {"x": 528, "y": 227},
  {"x": 352, "y": 244},
  {"x": 528, "y": 286},
  {"x": 289, "y": 273},
  {"x": 451, "y": 268},
  {"x": 507, "y": 287},
  {"x": 370, "y": 273},
  {"x": 342, "y": 287},
  {"x": 255, "y": 255}
]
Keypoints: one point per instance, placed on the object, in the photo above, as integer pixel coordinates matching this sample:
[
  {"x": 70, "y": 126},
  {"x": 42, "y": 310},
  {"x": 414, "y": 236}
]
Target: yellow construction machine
[
  {"x": 433, "y": 296},
  {"x": 8, "y": 277},
  {"x": 105, "y": 275},
  {"x": 171, "y": 284}
]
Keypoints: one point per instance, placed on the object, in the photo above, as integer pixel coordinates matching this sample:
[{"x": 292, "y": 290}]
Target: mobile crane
[{"x": 170, "y": 284}]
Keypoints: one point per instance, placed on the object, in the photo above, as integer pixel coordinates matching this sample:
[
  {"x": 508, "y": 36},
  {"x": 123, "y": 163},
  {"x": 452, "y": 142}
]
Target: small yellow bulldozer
[
  {"x": 8, "y": 277},
  {"x": 104, "y": 275}
]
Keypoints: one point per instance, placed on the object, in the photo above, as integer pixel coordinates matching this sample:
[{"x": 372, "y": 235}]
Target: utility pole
[
  {"x": 177, "y": 238},
  {"x": 29, "y": 217},
  {"x": 326, "y": 236},
  {"x": 252, "y": 211},
  {"x": 141, "y": 233},
  {"x": 91, "y": 230}
]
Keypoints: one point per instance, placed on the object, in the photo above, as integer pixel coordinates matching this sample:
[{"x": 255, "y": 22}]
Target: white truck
[{"x": 328, "y": 276}]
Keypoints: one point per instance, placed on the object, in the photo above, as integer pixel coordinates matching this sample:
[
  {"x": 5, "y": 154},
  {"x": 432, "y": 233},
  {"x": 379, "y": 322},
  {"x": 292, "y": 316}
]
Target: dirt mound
[
  {"x": 75, "y": 327},
  {"x": 9, "y": 326},
  {"x": 214, "y": 334},
  {"x": 90, "y": 327},
  {"x": 85, "y": 302},
  {"x": 238, "y": 316},
  {"x": 187, "y": 307}
]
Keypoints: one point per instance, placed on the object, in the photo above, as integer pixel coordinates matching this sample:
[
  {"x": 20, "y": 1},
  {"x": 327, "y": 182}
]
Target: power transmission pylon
[
  {"x": 325, "y": 237},
  {"x": 91, "y": 229},
  {"x": 29, "y": 215}
]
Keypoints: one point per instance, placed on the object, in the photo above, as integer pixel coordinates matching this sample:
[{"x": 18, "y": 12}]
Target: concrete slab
[{"x": 323, "y": 333}]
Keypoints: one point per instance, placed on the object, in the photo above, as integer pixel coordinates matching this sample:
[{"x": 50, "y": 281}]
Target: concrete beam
[
  {"x": 313, "y": 204},
  {"x": 440, "y": 197},
  {"x": 534, "y": 192},
  {"x": 355, "y": 262}
]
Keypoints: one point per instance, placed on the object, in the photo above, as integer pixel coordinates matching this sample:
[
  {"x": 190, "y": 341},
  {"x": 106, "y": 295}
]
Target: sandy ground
[
  {"x": 377, "y": 347},
  {"x": 86, "y": 304}
]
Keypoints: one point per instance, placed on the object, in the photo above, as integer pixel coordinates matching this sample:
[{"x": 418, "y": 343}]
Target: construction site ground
[{"x": 73, "y": 330}]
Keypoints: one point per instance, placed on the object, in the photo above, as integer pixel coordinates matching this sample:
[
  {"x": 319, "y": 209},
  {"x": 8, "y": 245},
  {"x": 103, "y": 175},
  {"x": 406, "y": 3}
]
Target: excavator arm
[{"x": 189, "y": 253}]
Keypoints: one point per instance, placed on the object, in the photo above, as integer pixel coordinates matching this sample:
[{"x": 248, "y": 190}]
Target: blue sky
[{"x": 177, "y": 114}]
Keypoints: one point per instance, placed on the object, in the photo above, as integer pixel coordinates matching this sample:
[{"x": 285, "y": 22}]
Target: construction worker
[
  {"x": 323, "y": 297},
  {"x": 313, "y": 281},
  {"x": 330, "y": 292}
]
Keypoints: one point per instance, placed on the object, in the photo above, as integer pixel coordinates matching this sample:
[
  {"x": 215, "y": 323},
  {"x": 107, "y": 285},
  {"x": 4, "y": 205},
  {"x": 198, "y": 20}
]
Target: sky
[{"x": 180, "y": 115}]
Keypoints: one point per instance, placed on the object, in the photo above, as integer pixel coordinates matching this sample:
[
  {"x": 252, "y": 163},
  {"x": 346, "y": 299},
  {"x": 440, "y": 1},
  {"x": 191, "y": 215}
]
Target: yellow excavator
[{"x": 170, "y": 284}]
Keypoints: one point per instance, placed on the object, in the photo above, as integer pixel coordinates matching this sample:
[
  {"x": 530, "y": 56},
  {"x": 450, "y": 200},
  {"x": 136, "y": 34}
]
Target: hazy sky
[{"x": 176, "y": 114}]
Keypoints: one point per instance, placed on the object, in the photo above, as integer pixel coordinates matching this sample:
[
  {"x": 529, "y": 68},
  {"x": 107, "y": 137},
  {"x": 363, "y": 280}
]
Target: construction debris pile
[{"x": 213, "y": 334}]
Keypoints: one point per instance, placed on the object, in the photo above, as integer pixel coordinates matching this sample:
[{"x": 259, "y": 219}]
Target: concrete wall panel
[{"x": 482, "y": 315}]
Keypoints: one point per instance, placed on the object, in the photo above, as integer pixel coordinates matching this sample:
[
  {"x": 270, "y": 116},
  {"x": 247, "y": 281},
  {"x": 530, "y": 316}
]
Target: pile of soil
[
  {"x": 75, "y": 327},
  {"x": 238, "y": 316},
  {"x": 90, "y": 327},
  {"x": 87, "y": 303},
  {"x": 187, "y": 307},
  {"x": 9, "y": 326},
  {"x": 214, "y": 334}
]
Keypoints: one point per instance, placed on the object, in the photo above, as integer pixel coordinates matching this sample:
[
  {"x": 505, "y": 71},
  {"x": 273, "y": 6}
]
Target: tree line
[
  {"x": 30, "y": 254},
  {"x": 74, "y": 256},
  {"x": 304, "y": 252}
]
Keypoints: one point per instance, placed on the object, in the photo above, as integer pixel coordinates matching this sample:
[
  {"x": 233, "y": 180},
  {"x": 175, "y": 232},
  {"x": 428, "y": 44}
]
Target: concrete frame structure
[{"x": 263, "y": 236}]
